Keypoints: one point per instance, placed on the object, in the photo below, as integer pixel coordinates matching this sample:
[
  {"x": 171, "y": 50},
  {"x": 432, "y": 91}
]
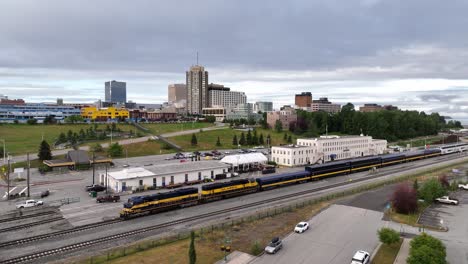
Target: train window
[
  {"x": 199, "y": 176},
  {"x": 186, "y": 177},
  {"x": 141, "y": 182},
  {"x": 154, "y": 182}
]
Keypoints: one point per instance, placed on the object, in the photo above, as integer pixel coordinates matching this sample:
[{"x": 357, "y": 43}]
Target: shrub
[
  {"x": 432, "y": 189},
  {"x": 256, "y": 249},
  {"x": 115, "y": 150},
  {"x": 426, "y": 249},
  {"x": 444, "y": 181},
  {"x": 31, "y": 121},
  {"x": 405, "y": 199},
  {"x": 388, "y": 236},
  {"x": 97, "y": 148}
]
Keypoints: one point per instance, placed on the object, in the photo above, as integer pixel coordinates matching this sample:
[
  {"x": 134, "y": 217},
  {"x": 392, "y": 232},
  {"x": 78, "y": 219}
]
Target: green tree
[
  {"x": 210, "y": 119},
  {"x": 289, "y": 139},
  {"x": 388, "y": 236},
  {"x": 285, "y": 137},
  {"x": 194, "y": 141},
  {"x": 50, "y": 119},
  {"x": 31, "y": 121},
  {"x": 97, "y": 147},
  {"x": 218, "y": 142},
  {"x": 260, "y": 140},
  {"x": 192, "y": 252},
  {"x": 114, "y": 127},
  {"x": 1, "y": 151},
  {"x": 234, "y": 141},
  {"x": 115, "y": 150},
  {"x": 268, "y": 139},
  {"x": 74, "y": 119},
  {"x": 431, "y": 189},
  {"x": 249, "y": 138},
  {"x": 254, "y": 137},
  {"x": 242, "y": 139},
  {"x": 69, "y": 135},
  {"x": 62, "y": 138},
  {"x": 82, "y": 135},
  {"x": 426, "y": 249},
  {"x": 44, "y": 151},
  {"x": 278, "y": 126}
]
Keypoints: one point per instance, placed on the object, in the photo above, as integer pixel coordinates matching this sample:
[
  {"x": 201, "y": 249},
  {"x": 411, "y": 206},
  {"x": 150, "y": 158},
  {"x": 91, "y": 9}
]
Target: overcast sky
[{"x": 413, "y": 54}]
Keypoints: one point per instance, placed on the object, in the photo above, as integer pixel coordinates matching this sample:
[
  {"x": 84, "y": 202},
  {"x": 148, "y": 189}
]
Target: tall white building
[
  {"x": 327, "y": 148},
  {"x": 263, "y": 106},
  {"x": 197, "y": 89}
]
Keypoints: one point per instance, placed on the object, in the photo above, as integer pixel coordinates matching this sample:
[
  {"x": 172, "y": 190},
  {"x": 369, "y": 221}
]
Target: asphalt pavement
[{"x": 333, "y": 238}]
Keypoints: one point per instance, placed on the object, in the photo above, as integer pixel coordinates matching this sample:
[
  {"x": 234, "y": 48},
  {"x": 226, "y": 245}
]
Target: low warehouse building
[{"x": 164, "y": 175}]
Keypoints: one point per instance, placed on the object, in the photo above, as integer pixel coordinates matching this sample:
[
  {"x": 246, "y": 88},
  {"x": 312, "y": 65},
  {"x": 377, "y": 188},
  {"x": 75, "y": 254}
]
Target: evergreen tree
[
  {"x": 278, "y": 126},
  {"x": 115, "y": 150},
  {"x": 192, "y": 252},
  {"x": 218, "y": 142},
  {"x": 242, "y": 139},
  {"x": 285, "y": 137},
  {"x": 260, "y": 140},
  {"x": 44, "y": 151},
  {"x": 82, "y": 134},
  {"x": 69, "y": 135},
  {"x": 234, "y": 141},
  {"x": 268, "y": 139},
  {"x": 289, "y": 139},
  {"x": 114, "y": 127},
  {"x": 62, "y": 138},
  {"x": 255, "y": 138},
  {"x": 194, "y": 140},
  {"x": 249, "y": 138}
]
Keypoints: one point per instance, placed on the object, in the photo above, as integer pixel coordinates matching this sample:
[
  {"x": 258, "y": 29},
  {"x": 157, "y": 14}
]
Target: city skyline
[{"x": 406, "y": 54}]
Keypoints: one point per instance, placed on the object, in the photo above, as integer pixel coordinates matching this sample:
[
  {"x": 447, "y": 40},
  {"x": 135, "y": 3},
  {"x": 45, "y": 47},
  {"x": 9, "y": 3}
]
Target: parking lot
[{"x": 334, "y": 236}]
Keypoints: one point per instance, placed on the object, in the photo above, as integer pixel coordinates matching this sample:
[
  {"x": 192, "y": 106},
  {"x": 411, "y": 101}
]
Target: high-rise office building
[
  {"x": 223, "y": 96},
  {"x": 116, "y": 92},
  {"x": 197, "y": 89},
  {"x": 176, "y": 92},
  {"x": 304, "y": 99}
]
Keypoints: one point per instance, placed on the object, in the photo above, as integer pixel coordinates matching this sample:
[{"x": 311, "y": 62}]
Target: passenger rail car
[
  {"x": 140, "y": 205},
  {"x": 454, "y": 148}
]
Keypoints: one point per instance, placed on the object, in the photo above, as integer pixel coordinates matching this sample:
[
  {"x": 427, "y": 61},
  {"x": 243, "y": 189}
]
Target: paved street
[{"x": 334, "y": 236}]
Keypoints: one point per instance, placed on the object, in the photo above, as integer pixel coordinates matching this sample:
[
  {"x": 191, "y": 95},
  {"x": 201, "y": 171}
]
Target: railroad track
[
  {"x": 18, "y": 227},
  {"x": 111, "y": 238},
  {"x": 58, "y": 233},
  {"x": 26, "y": 216}
]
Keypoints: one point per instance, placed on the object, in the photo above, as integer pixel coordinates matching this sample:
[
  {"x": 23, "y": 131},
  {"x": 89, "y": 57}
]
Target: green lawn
[
  {"x": 23, "y": 138},
  {"x": 158, "y": 129},
  {"x": 207, "y": 139},
  {"x": 152, "y": 147},
  {"x": 387, "y": 253},
  {"x": 417, "y": 142}
]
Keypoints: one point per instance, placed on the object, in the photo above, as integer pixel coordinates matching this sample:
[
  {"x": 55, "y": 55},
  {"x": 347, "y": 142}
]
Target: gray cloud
[{"x": 354, "y": 50}]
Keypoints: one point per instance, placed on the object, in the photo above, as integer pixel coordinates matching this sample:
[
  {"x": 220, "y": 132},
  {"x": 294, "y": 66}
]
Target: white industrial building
[
  {"x": 327, "y": 148},
  {"x": 163, "y": 175},
  {"x": 244, "y": 161}
]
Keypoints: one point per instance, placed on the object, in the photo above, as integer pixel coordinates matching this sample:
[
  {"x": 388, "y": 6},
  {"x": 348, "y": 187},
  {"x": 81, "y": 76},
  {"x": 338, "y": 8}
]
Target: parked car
[
  {"x": 208, "y": 154},
  {"x": 361, "y": 257},
  {"x": 45, "y": 193},
  {"x": 275, "y": 245},
  {"x": 227, "y": 152},
  {"x": 258, "y": 147},
  {"x": 447, "y": 200},
  {"x": 463, "y": 186},
  {"x": 29, "y": 203},
  {"x": 301, "y": 227},
  {"x": 218, "y": 158},
  {"x": 216, "y": 153},
  {"x": 95, "y": 188},
  {"x": 108, "y": 198}
]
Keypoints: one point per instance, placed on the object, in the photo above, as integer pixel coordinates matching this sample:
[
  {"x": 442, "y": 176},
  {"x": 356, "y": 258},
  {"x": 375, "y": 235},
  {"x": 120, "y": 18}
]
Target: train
[{"x": 149, "y": 204}]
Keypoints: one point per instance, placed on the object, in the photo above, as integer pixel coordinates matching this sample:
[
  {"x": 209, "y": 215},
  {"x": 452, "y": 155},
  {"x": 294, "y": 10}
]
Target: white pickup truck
[
  {"x": 447, "y": 200},
  {"x": 29, "y": 203},
  {"x": 463, "y": 186}
]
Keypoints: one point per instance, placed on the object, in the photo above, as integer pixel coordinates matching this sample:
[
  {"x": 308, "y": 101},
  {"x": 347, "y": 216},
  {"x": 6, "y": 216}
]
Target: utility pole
[
  {"x": 93, "y": 167},
  {"x": 4, "y": 151},
  {"x": 8, "y": 178},
  {"x": 107, "y": 187},
  {"x": 29, "y": 166}
]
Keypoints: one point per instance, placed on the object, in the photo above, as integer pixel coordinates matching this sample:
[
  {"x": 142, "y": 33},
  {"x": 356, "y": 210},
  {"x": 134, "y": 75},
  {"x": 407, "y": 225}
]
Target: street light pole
[{"x": 8, "y": 178}]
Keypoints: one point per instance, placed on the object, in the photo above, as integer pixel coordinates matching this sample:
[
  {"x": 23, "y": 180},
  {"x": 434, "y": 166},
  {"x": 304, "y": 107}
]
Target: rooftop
[
  {"x": 165, "y": 169},
  {"x": 244, "y": 158},
  {"x": 292, "y": 146}
]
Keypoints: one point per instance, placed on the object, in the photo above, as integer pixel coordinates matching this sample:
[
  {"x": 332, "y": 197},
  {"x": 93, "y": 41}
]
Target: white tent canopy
[{"x": 244, "y": 159}]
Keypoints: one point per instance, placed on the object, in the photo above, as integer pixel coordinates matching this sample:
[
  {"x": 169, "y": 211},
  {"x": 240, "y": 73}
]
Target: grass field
[
  {"x": 417, "y": 142},
  {"x": 207, "y": 139},
  {"x": 387, "y": 253},
  {"x": 152, "y": 147},
  {"x": 158, "y": 129},
  {"x": 22, "y": 138}
]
